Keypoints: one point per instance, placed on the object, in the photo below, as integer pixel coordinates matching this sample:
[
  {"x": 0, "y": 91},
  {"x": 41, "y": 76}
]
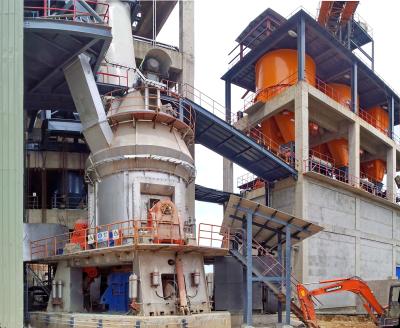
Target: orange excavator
[{"x": 387, "y": 316}]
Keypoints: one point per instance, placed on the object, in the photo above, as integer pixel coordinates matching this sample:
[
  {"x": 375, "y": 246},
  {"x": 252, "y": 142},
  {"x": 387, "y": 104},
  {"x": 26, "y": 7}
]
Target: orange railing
[
  {"x": 367, "y": 117},
  {"x": 131, "y": 232},
  {"x": 56, "y": 9},
  {"x": 212, "y": 235}
]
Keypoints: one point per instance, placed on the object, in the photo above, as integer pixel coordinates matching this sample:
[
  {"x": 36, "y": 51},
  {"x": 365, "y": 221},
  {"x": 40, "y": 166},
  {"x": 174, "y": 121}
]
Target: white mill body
[{"x": 137, "y": 160}]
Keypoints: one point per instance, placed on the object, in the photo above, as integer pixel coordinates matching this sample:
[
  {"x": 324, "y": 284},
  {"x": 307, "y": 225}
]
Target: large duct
[
  {"x": 121, "y": 51},
  {"x": 87, "y": 101}
]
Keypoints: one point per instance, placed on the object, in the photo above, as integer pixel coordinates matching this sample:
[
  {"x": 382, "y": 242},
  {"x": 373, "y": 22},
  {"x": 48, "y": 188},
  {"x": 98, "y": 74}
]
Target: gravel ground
[{"x": 339, "y": 321}]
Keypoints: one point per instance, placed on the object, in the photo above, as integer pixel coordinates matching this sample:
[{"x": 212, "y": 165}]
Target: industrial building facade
[{"x": 97, "y": 168}]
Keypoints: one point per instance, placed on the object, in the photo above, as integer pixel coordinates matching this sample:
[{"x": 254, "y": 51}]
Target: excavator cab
[{"x": 392, "y": 315}]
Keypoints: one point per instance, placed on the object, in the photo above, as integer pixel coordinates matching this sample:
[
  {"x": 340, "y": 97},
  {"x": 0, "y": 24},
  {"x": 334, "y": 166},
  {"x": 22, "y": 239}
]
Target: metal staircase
[
  {"x": 217, "y": 133},
  {"x": 266, "y": 265}
]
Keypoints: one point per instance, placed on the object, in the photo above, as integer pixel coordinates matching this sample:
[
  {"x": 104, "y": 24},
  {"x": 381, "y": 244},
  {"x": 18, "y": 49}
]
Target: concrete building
[{"x": 360, "y": 218}]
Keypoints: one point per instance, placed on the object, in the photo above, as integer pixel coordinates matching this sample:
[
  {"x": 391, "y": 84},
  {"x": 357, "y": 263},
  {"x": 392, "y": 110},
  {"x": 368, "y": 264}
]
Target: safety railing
[
  {"x": 72, "y": 10},
  {"x": 131, "y": 232},
  {"x": 68, "y": 201},
  {"x": 364, "y": 181},
  {"x": 367, "y": 117},
  {"x": 166, "y": 113},
  {"x": 155, "y": 43},
  {"x": 249, "y": 181},
  {"x": 267, "y": 264},
  {"x": 212, "y": 235}
]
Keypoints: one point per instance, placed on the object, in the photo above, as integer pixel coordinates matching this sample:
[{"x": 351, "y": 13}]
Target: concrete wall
[{"x": 360, "y": 236}]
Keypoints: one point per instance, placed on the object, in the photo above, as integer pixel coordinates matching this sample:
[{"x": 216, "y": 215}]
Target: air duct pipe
[{"x": 121, "y": 51}]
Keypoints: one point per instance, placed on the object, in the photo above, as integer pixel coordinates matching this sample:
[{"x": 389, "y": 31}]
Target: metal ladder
[{"x": 266, "y": 265}]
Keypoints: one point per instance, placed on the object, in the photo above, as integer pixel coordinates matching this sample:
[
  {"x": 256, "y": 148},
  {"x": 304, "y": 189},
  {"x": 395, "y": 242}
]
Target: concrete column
[
  {"x": 354, "y": 152},
  {"x": 301, "y": 125},
  {"x": 302, "y": 154},
  {"x": 186, "y": 47},
  {"x": 72, "y": 294},
  {"x": 391, "y": 174}
]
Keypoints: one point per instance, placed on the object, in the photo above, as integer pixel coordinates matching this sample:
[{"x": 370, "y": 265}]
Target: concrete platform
[{"x": 89, "y": 320}]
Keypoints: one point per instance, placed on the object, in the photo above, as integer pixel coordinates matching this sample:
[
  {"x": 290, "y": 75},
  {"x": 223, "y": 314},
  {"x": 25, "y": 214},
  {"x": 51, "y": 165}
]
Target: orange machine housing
[
  {"x": 277, "y": 70},
  {"x": 374, "y": 169},
  {"x": 79, "y": 234},
  {"x": 380, "y": 118},
  {"x": 164, "y": 220},
  {"x": 339, "y": 150}
]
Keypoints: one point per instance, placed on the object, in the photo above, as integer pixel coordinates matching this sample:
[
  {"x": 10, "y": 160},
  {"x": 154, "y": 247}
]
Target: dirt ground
[{"x": 339, "y": 321}]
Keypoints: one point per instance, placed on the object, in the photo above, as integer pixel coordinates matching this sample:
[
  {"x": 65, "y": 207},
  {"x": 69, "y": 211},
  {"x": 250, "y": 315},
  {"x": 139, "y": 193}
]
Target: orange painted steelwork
[
  {"x": 354, "y": 285},
  {"x": 374, "y": 169},
  {"x": 164, "y": 218},
  {"x": 79, "y": 233},
  {"x": 279, "y": 68},
  {"x": 339, "y": 150}
]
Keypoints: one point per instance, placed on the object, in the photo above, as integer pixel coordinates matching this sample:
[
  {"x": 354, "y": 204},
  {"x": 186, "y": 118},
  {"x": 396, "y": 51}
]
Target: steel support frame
[
  {"x": 391, "y": 116},
  {"x": 354, "y": 87},
  {"x": 301, "y": 49},
  {"x": 285, "y": 279}
]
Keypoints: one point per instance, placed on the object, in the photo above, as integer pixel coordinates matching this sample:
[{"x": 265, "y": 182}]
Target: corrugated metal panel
[{"x": 11, "y": 163}]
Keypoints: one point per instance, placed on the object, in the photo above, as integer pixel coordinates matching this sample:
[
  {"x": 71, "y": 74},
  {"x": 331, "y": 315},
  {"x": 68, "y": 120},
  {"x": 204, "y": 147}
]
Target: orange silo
[{"x": 276, "y": 71}]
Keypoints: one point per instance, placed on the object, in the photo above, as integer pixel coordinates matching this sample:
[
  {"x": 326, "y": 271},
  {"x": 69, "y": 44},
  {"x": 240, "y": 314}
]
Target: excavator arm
[{"x": 354, "y": 285}]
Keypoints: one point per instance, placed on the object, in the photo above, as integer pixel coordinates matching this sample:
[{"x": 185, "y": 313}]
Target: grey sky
[{"x": 219, "y": 22}]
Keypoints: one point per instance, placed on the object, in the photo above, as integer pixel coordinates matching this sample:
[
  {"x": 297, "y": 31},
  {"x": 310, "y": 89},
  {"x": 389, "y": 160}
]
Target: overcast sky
[{"x": 219, "y": 22}]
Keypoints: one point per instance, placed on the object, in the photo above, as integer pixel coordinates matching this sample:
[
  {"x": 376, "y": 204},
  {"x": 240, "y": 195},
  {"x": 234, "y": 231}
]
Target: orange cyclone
[
  {"x": 374, "y": 169},
  {"x": 339, "y": 150}
]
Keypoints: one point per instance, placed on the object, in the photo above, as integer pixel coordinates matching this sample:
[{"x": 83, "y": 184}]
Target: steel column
[
  {"x": 354, "y": 87},
  {"x": 249, "y": 270},
  {"x": 373, "y": 55},
  {"x": 228, "y": 101},
  {"x": 391, "y": 116},
  {"x": 288, "y": 274},
  {"x": 279, "y": 235},
  {"x": 301, "y": 49}
]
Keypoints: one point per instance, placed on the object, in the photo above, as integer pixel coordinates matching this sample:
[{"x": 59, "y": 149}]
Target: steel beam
[
  {"x": 301, "y": 49},
  {"x": 354, "y": 87}
]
